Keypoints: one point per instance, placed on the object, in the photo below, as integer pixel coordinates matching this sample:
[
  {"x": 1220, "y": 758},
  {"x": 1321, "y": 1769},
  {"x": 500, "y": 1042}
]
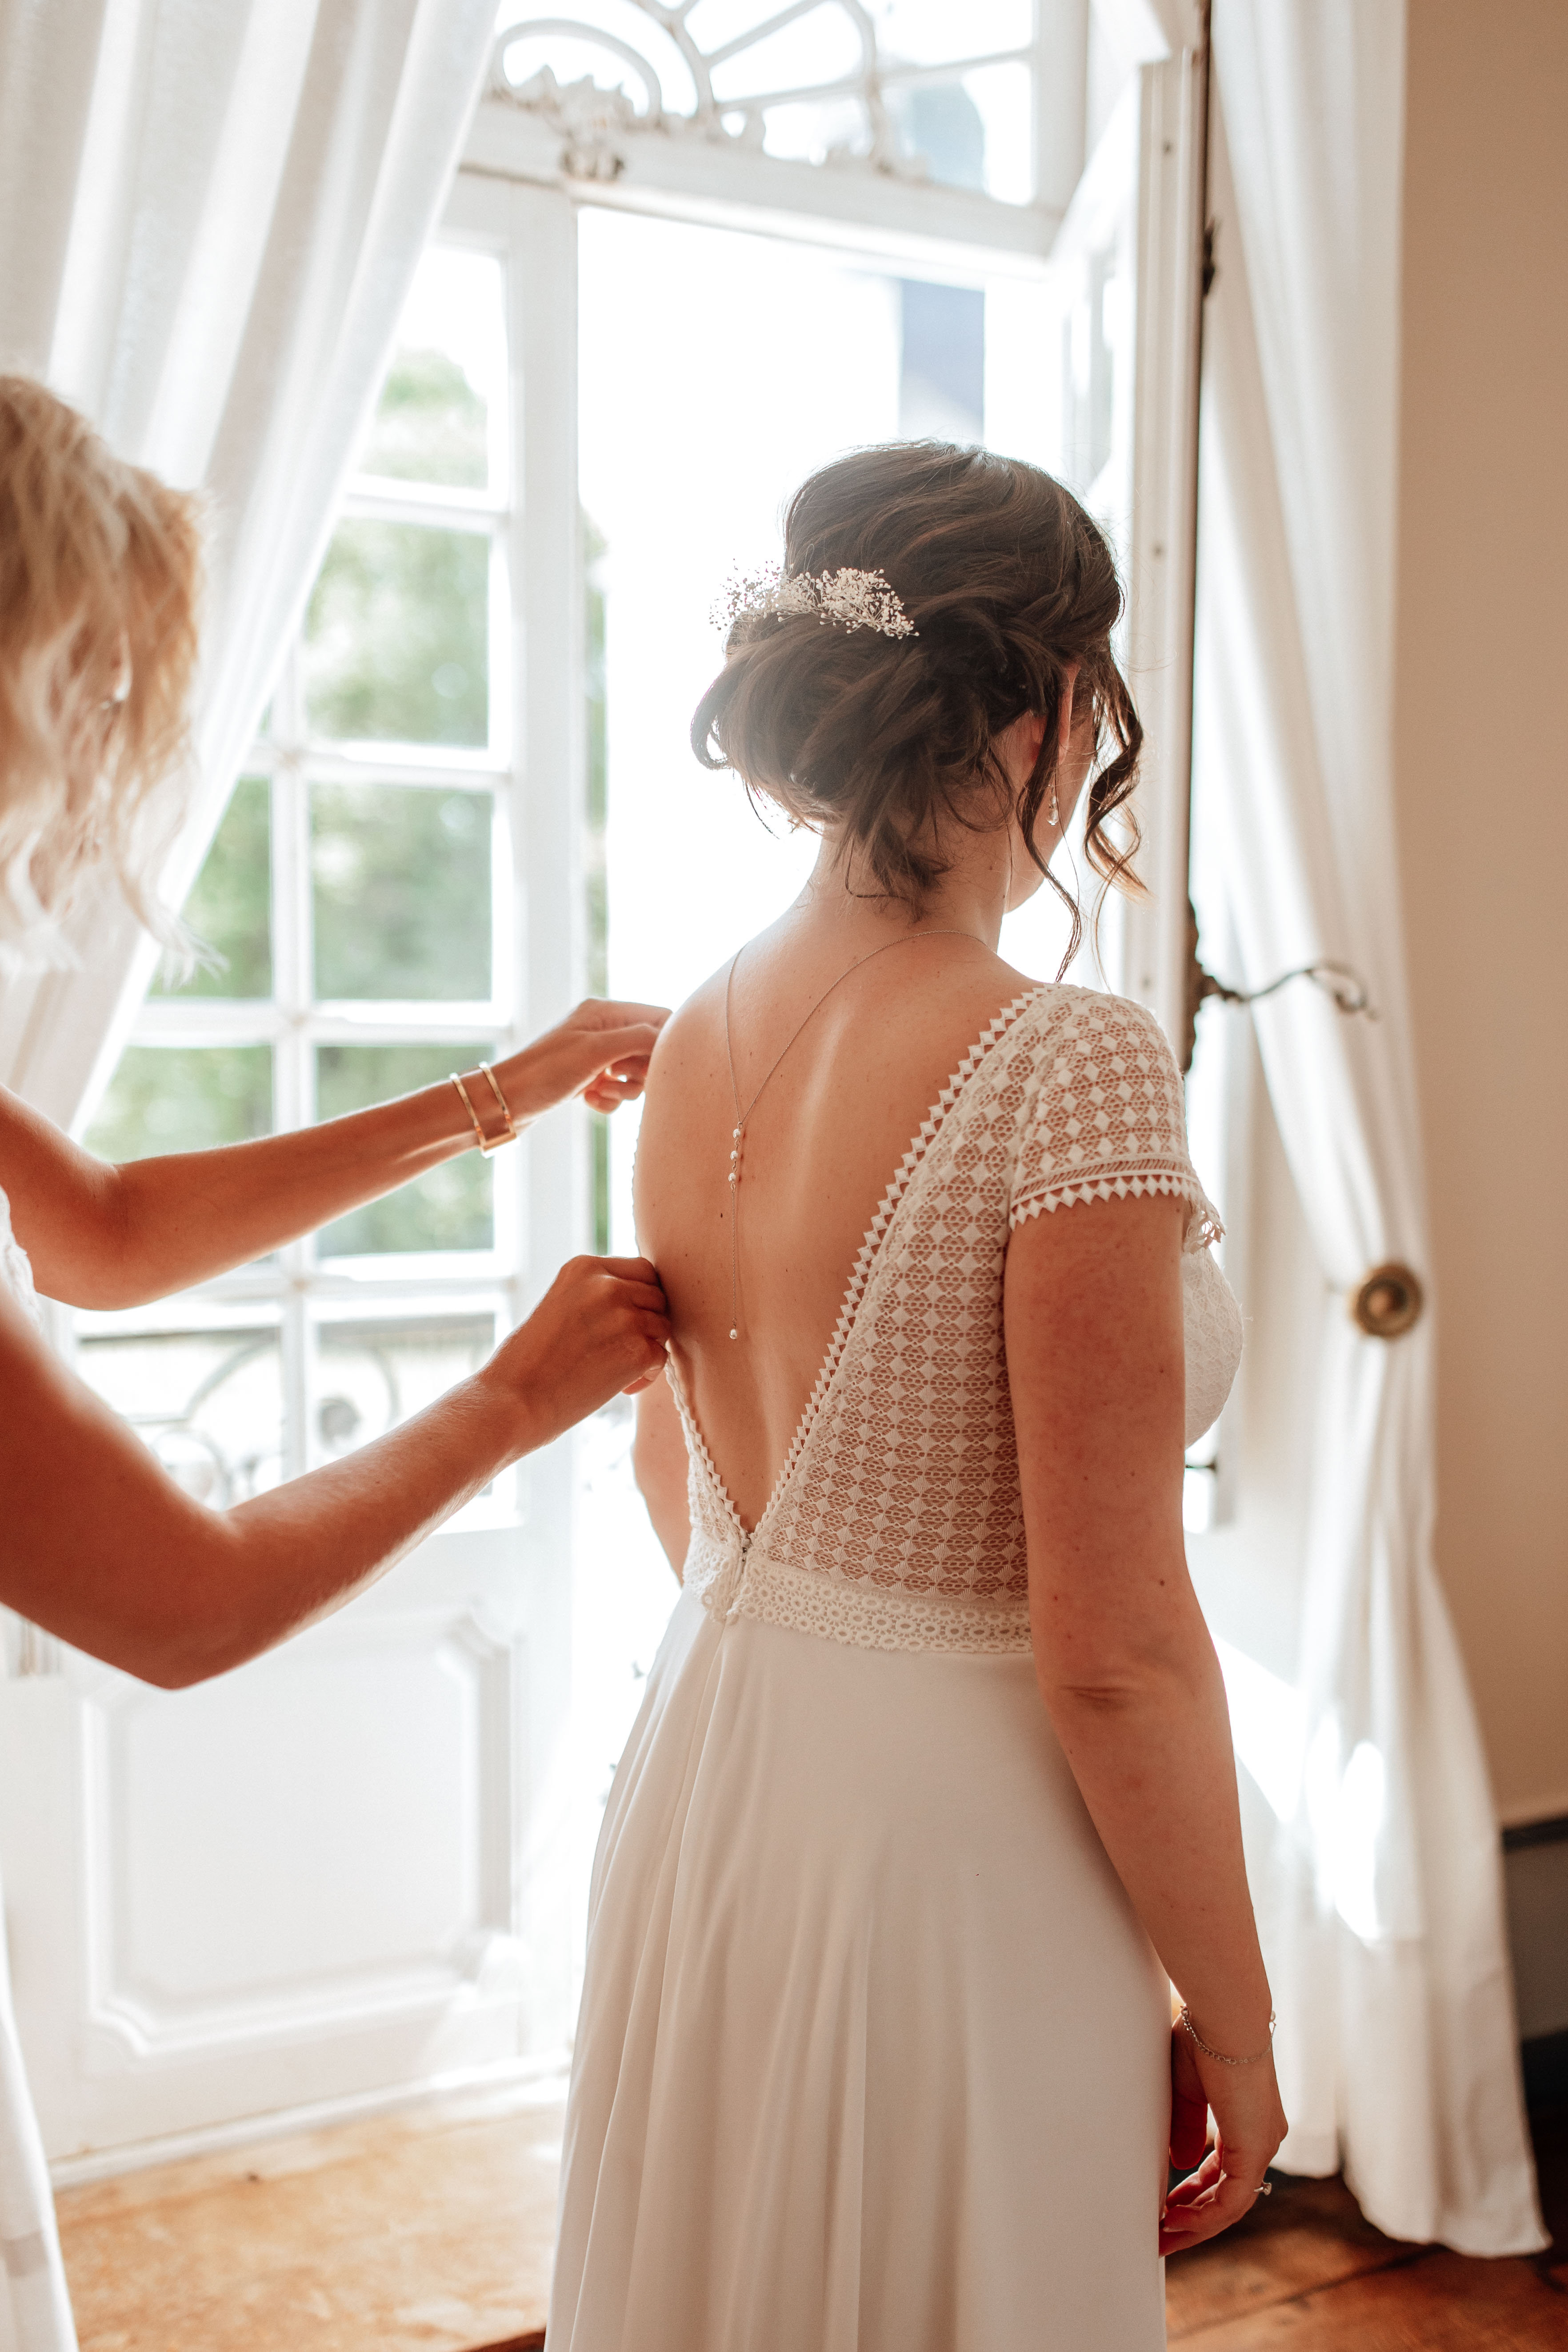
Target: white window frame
[
  {"x": 516, "y": 197},
  {"x": 531, "y": 767},
  {"x": 498, "y": 1596},
  {"x": 944, "y": 235}
]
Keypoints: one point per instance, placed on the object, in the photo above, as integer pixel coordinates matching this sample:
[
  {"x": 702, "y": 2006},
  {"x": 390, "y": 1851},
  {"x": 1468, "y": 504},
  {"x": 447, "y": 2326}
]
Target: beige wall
[{"x": 1481, "y": 727}]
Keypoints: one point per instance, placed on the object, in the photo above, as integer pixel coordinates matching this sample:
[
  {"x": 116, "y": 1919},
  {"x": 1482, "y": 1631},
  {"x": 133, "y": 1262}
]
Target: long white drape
[
  {"x": 210, "y": 213},
  {"x": 1382, "y": 1899}
]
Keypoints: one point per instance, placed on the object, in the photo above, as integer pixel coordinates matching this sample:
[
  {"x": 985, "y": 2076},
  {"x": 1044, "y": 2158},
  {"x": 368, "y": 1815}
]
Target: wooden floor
[
  {"x": 1305, "y": 2274},
  {"x": 431, "y": 2232}
]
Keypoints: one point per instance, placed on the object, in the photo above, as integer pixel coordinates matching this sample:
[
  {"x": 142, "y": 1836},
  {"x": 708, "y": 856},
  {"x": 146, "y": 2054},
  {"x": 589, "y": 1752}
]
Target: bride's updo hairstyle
[
  {"x": 1007, "y": 583},
  {"x": 101, "y": 568}
]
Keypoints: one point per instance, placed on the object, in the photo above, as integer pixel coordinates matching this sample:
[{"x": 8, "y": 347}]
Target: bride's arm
[
  {"x": 101, "y": 1236},
  {"x": 658, "y": 1463},
  {"x": 1125, "y": 1665}
]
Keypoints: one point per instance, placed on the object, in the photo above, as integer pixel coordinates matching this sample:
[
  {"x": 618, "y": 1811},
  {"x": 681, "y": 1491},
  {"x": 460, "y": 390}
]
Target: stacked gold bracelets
[{"x": 489, "y": 1140}]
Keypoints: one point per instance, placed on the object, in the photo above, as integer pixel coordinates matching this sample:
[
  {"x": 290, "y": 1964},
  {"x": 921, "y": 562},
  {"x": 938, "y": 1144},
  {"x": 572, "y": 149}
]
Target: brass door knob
[{"x": 1389, "y": 1301}]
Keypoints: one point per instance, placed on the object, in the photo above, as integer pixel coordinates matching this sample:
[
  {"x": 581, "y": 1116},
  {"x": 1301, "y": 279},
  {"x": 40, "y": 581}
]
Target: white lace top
[{"x": 897, "y": 1521}]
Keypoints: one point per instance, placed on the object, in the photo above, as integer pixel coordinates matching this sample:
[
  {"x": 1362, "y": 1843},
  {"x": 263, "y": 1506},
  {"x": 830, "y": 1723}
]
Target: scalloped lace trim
[
  {"x": 807, "y": 1600},
  {"x": 1203, "y": 1226}
]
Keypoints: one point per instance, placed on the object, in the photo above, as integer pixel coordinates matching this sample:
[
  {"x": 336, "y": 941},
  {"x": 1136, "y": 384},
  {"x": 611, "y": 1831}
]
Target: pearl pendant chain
[
  {"x": 735, "y": 1229},
  {"x": 737, "y": 1133}
]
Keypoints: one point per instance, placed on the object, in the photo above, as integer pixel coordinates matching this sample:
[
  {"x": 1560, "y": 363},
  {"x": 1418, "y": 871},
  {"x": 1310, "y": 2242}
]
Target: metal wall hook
[{"x": 1341, "y": 982}]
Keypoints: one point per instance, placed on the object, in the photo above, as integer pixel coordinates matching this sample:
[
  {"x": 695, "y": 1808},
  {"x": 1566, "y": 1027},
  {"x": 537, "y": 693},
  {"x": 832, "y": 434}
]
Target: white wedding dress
[
  {"x": 35, "y": 2303},
  {"x": 873, "y": 2052}
]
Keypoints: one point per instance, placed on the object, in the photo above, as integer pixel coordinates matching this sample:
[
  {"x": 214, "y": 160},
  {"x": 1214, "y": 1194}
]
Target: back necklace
[{"x": 738, "y": 1132}]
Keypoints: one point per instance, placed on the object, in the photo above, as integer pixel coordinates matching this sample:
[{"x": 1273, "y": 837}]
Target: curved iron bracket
[{"x": 1341, "y": 982}]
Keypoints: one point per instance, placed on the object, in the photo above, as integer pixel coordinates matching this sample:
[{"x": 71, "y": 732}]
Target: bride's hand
[
  {"x": 600, "y": 1052},
  {"x": 1250, "y": 2123}
]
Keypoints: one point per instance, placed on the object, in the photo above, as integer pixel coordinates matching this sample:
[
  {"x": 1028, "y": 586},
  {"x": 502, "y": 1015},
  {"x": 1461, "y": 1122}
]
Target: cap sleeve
[{"x": 1108, "y": 1120}]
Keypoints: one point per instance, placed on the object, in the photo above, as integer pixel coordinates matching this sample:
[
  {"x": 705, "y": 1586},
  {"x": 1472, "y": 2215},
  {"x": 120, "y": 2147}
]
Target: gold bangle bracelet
[
  {"x": 504, "y": 1106},
  {"x": 487, "y": 1143}
]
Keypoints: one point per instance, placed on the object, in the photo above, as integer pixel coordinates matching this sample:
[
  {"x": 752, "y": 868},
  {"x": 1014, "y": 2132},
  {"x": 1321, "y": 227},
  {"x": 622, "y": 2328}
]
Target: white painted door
[{"x": 303, "y": 1884}]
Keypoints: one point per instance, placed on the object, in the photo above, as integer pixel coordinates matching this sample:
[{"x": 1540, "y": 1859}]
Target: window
[
  {"x": 916, "y": 89},
  {"x": 662, "y": 293},
  {"x": 824, "y": 351},
  {"x": 359, "y": 892}
]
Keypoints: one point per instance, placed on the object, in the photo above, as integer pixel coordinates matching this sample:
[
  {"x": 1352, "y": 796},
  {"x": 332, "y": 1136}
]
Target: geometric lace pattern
[{"x": 897, "y": 1520}]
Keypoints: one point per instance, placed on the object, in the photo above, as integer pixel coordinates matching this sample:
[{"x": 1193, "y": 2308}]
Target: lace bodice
[
  {"x": 897, "y": 1521},
  {"x": 15, "y": 1271}
]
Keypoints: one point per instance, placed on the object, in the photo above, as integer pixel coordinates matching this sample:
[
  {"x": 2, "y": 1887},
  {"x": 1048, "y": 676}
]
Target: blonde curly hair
[{"x": 100, "y": 578}]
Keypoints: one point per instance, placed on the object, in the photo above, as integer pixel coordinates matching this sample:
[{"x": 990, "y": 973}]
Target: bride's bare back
[{"x": 822, "y": 1146}]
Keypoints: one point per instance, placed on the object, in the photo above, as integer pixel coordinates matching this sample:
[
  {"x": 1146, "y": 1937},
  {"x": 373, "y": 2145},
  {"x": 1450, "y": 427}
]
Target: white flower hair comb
[{"x": 855, "y": 600}]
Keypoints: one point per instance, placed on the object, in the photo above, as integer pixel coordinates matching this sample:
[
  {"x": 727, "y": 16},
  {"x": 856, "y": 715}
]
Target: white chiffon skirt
[{"x": 873, "y": 2053}]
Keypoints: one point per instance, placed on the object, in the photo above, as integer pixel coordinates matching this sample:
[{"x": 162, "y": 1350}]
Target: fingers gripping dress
[{"x": 873, "y": 2049}]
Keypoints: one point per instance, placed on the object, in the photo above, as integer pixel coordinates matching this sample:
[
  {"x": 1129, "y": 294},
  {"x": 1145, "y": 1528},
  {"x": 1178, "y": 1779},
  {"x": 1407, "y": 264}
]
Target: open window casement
[
  {"x": 361, "y": 1862},
  {"x": 949, "y": 145},
  {"x": 1126, "y": 279}
]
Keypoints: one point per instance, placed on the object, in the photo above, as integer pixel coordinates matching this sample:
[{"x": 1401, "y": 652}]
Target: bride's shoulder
[
  {"x": 1098, "y": 1021},
  {"x": 691, "y": 1029}
]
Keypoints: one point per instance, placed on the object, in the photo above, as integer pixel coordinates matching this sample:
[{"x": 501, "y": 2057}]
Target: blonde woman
[{"x": 100, "y": 567}]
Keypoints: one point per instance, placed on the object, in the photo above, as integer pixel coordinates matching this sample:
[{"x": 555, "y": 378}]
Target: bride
[{"x": 931, "y": 1796}]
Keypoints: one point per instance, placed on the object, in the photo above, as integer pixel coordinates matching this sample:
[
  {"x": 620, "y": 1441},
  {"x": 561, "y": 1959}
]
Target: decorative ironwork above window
[{"x": 912, "y": 90}]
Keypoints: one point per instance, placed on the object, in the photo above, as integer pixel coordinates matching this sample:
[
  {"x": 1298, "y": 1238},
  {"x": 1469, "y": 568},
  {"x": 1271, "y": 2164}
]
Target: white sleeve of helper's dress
[{"x": 1106, "y": 1120}]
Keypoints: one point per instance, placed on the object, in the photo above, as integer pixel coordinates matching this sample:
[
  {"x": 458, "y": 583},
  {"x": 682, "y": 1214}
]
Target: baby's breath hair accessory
[{"x": 855, "y": 600}]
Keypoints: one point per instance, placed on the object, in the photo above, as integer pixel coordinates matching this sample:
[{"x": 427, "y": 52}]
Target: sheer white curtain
[
  {"x": 1382, "y": 1897},
  {"x": 210, "y": 211}
]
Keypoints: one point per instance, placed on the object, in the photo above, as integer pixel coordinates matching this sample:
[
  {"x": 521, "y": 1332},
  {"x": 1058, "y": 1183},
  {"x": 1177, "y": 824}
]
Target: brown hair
[
  {"x": 1007, "y": 582},
  {"x": 100, "y": 572}
]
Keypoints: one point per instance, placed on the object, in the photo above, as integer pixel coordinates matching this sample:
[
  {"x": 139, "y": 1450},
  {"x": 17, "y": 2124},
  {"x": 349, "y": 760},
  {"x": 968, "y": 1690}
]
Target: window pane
[
  {"x": 209, "y": 1403},
  {"x": 398, "y": 636},
  {"x": 430, "y": 425},
  {"x": 230, "y": 908},
  {"x": 372, "y": 1373},
  {"x": 940, "y": 122},
  {"x": 182, "y": 1098},
  {"x": 401, "y": 895},
  {"x": 941, "y": 374},
  {"x": 1003, "y": 97},
  {"x": 930, "y": 32},
  {"x": 449, "y": 1208},
  {"x": 823, "y": 45},
  {"x": 448, "y": 377}
]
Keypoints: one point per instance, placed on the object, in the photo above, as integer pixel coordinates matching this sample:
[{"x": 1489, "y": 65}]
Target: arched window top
[{"x": 910, "y": 90}]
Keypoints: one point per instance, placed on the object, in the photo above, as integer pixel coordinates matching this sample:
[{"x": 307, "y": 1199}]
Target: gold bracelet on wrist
[
  {"x": 488, "y": 1141},
  {"x": 1255, "y": 2058}
]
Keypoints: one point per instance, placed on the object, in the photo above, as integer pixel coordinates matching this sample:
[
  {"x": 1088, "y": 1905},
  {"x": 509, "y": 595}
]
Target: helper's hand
[
  {"x": 600, "y": 1052},
  {"x": 1251, "y": 2124},
  {"x": 600, "y": 1327}
]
